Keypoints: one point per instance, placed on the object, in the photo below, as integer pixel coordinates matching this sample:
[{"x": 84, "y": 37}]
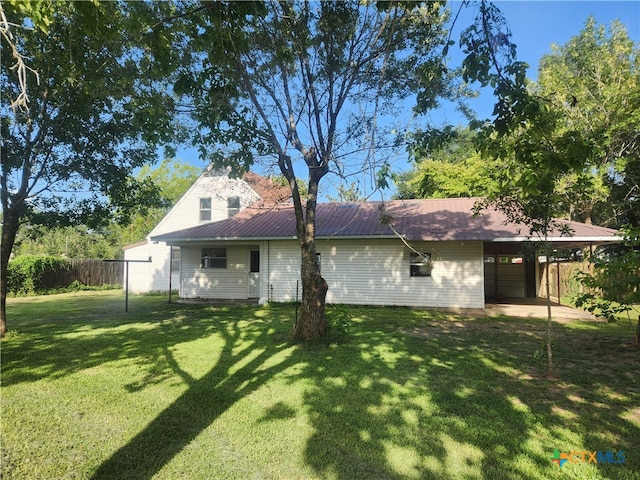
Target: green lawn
[{"x": 197, "y": 392}]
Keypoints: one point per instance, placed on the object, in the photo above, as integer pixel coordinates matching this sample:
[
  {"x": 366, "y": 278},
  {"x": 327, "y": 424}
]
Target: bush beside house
[{"x": 40, "y": 274}]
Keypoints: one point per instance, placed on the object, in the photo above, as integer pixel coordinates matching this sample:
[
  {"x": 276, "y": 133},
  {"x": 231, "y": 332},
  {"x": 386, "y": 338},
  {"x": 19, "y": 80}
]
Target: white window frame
[
  {"x": 232, "y": 209},
  {"x": 205, "y": 211},
  {"x": 420, "y": 264},
  {"x": 214, "y": 257},
  {"x": 176, "y": 259}
]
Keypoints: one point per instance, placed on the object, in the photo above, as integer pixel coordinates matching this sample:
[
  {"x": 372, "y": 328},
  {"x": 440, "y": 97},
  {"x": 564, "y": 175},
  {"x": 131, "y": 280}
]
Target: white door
[{"x": 254, "y": 274}]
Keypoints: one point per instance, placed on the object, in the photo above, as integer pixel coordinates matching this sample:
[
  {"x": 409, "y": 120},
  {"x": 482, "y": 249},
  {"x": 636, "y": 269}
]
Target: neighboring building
[
  {"x": 421, "y": 253},
  {"x": 213, "y": 197}
]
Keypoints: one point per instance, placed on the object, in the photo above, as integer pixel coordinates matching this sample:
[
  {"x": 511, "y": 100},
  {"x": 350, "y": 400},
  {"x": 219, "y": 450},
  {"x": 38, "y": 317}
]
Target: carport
[{"x": 512, "y": 268}]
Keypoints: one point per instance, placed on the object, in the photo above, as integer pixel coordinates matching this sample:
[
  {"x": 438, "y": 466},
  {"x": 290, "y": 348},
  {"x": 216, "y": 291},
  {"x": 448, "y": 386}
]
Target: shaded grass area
[{"x": 192, "y": 391}]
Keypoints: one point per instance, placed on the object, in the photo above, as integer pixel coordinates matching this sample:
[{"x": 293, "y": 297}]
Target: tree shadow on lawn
[
  {"x": 60, "y": 343},
  {"x": 447, "y": 400},
  {"x": 54, "y": 347},
  {"x": 235, "y": 374},
  {"x": 409, "y": 395}
]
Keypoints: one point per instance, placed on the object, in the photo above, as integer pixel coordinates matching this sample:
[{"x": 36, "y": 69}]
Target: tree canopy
[
  {"x": 305, "y": 85},
  {"x": 83, "y": 105},
  {"x": 593, "y": 81},
  {"x": 452, "y": 167},
  {"x": 587, "y": 97}
]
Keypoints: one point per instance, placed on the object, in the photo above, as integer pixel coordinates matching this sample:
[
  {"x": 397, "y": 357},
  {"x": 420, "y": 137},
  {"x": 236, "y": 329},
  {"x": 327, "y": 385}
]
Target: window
[
  {"x": 205, "y": 209},
  {"x": 319, "y": 263},
  {"x": 233, "y": 206},
  {"x": 175, "y": 259},
  {"x": 254, "y": 265},
  {"x": 420, "y": 264},
  {"x": 214, "y": 258},
  {"x": 506, "y": 260}
]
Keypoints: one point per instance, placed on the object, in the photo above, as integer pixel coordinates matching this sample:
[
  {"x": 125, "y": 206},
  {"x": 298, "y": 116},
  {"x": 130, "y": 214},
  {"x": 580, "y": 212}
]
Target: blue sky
[{"x": 535, "y": 25}]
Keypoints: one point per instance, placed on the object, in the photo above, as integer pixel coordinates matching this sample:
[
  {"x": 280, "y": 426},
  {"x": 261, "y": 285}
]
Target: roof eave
[{"x": 581, "y": 239}]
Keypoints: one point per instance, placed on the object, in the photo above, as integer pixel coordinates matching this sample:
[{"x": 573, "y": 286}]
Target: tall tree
[
  {"x": 594, "y": 82},
  {"x": 527, "y": 136},
  {"x": 86, "y": 110},
  {"x": 449, "y": 165},
  {"x": 308, "y": 84},
  {"x": 173, "y": 178}
]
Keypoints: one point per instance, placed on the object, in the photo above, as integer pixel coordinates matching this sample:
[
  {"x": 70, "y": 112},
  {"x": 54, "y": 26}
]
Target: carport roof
[{"x": 416, "y": 220}]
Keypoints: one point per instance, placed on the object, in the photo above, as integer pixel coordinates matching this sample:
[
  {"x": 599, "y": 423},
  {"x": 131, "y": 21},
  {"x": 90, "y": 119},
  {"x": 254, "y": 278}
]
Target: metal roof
[{"x": 415, "y": 220}]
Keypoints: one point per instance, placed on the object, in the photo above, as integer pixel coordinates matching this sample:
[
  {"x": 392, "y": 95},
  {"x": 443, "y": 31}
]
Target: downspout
[{"x": 170, "y": 269}]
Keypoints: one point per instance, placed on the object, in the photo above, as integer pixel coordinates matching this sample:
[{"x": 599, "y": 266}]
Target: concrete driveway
[{"x": 537, "y": 308}]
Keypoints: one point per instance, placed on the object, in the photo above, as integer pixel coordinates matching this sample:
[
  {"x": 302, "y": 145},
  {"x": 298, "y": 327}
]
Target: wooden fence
[
  {"x": 563, "y": 279},
  {"x": 95, "y": 273}
]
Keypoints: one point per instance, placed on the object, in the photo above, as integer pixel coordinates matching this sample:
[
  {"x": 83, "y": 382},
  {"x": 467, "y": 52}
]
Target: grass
[{"x": 198, "y": 392}]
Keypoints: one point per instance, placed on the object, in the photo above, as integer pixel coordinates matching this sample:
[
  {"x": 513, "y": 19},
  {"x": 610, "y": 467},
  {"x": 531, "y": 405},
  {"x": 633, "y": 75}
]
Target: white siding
[
  {"x": 372, "y": 272},
  {"x": 154, "y": 276},
  {"x": 281, "y": 265},
  {"x": 229, "y": 283},
  {"x": 377, "y": 273},
  {"x": 145, "y": 277},
  {"x": 218, "y": 187}
]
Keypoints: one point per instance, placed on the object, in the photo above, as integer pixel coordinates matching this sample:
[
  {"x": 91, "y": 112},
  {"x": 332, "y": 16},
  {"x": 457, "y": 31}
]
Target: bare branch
[{"x": 21, "y": 102}]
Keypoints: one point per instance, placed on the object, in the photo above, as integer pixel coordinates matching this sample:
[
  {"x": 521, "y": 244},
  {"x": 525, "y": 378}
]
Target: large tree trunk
[
  {"x": 312, "y": 323},
  {"x": 10, "y": 225}
]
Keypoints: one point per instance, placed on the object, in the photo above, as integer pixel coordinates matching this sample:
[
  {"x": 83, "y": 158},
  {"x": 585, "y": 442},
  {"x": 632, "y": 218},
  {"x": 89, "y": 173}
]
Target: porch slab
[{"x": 537, "y": 308}]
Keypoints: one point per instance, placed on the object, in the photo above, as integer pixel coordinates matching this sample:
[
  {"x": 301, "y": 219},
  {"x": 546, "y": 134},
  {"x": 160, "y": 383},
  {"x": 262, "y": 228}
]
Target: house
[
  {"x": 420, "y": 253},
  {"x": 214, "y": 196}
]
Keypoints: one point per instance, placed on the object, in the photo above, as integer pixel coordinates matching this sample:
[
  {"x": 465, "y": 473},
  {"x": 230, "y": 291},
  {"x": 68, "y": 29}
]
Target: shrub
[
  {"x": 339, "y": 320},
  {"x": 32, "y": 274}
]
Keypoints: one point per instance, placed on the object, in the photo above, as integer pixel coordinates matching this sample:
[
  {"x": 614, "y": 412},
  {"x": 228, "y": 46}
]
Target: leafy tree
[
  {"x": 528, "y": 138},
  {"x": 307, "y": 84},
  {"x": 87, "y": 109},
  {"x": 612, "y": 288},
  {"x": 349, "y": 193},
  {"x": 173, "y": 178},
  {"x": 593, "y": 81},
  {"x": 68, "y": 242},
  {"x": 450, "y": 167}
]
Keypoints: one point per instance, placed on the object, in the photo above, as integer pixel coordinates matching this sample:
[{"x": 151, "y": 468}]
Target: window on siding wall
[
  {"x": 233, "y": 206},
  {"x": 420, "y": 264},
  {"x": 205, "y": 209},
  {"x": 175, "y": 259},
  {"x": 214, "y": 258}
]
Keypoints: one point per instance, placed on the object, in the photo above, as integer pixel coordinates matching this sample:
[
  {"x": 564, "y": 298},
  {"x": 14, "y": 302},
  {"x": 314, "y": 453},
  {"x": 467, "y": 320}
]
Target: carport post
[{"x": 558, "y": 280}]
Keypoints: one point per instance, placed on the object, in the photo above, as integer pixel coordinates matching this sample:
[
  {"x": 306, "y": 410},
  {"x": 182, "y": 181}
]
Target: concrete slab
[{"x": 537, "y": 308}]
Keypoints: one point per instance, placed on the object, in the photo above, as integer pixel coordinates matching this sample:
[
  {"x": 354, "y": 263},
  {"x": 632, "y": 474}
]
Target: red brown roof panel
[{"x": 428, "y": 220}]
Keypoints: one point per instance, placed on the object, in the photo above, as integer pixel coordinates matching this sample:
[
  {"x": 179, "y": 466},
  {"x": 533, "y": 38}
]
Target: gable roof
[
  {"x": 268, "y": 193},
  {"x": 416, "y": 220}
]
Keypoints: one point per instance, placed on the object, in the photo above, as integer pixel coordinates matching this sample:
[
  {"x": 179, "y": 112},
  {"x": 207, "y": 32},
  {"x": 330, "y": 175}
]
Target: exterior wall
[
  {"x": 215, "y": 185},
  {"x": 230, "y": 283},
  {"x": 218, "y": 186},
  {"x": 372, "y": 272},
  {"x": 511, "y": 279},
  {"x": 154, "y": 276}
]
